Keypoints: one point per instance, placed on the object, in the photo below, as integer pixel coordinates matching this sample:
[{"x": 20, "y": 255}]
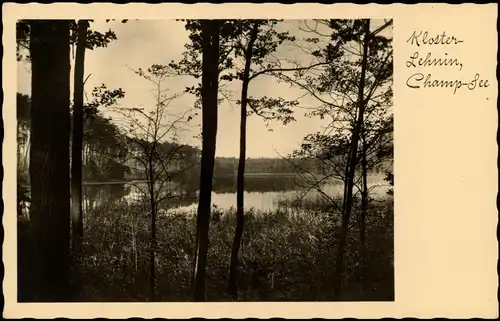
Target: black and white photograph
[{"x": 209, "y": 160}]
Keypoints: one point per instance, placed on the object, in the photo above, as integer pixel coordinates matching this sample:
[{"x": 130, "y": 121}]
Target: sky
[{"x": 143, "y": 43}]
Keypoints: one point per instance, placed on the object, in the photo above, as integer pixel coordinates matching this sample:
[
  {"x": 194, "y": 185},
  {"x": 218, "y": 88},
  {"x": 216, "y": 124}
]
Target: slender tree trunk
[
  {"x": 77, "y": 151},
  {"x": 152, "y": 281},
  {"x": 84, "y": 157},
  {"x": 348, "y": 197},
  {"x": 27, "y": 152},
  {"x": 20, "y": 163},
  {"x": 134, "y": 248},
  {"x": 210, "y": 84},
  {"x": 364, "y": 195},
  {"x": 240, "y": 185},
  {"x": 152, "y": 199},
  {"x": 134, "y": 254},
  {"x": 49, "y": 158},
  {"x": 87, "y": 151}
]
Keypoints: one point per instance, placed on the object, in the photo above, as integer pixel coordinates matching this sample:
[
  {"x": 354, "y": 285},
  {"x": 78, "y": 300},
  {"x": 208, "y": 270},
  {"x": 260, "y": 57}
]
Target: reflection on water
[
  {"x": 263, "y": 193},
  {"x": 96, "y": 195}
]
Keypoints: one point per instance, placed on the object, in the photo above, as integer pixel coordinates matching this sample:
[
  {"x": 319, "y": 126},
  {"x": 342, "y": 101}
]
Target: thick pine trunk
[
  {"x": 210, "y": 82},
  {"x": 240, "y": 182},
  {"x": 348, "y": 197},
  {"x": 77, "y": 150},
  {"x": 49, "y": 158}
]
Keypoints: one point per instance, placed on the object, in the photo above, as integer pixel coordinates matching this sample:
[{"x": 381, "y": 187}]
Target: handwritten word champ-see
[
  {"x": 439, "y": 39},
  {"x": 418, "y": 80}
]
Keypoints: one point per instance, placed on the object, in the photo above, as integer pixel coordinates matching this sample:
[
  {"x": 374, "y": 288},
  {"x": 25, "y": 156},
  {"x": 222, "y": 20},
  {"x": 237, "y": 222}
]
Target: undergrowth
[{"x": 286, "y": 254}]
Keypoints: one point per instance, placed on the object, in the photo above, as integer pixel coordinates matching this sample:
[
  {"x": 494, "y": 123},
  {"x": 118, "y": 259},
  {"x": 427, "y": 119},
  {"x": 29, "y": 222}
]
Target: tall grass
[{"x": 286, "y": 254}]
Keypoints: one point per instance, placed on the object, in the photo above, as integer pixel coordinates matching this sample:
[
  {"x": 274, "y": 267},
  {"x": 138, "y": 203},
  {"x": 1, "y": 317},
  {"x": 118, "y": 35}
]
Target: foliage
[
  {"x": 389, "y": 177},
  {"x": 104, "y": 145},
  {"x": 272, "y": 109},
  {"x": 23, "y": 103},
  {"x": 23, "y": 110},
  {"x": 234, "y": 37},
  {"x": 95, "y": 39},
  {"x": 336, "y": 89},
  {"x": 101, "y": 96},
  {"x": 190, "y": 63}
]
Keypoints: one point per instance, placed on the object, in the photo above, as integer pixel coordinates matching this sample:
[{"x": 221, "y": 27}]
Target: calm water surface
[{"x": 265, "y": 193}]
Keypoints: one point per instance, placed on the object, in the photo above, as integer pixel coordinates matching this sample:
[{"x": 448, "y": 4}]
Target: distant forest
[
  {"x": 229, "y": 165},
  {"x": 105, "y": 152}
]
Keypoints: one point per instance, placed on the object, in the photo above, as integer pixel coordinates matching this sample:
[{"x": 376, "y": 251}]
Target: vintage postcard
[{"x": 250, "y": 160}]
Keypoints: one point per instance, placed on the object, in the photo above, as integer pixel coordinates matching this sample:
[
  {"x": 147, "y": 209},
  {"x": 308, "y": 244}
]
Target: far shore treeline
[{"x": 106, "y": 153}]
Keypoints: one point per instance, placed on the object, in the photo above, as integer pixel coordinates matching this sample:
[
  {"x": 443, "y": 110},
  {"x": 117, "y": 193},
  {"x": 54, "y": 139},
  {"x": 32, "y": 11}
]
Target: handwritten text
[{"x": 429, "y": 59}]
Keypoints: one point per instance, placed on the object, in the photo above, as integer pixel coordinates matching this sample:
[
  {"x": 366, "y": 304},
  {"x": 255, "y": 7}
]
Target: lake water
[{"x": 262, "y": 192}]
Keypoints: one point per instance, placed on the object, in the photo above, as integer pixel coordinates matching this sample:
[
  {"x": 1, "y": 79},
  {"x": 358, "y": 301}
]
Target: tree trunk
[
  {"x": 210, "y": 84},
  {"x": 49, "y": 158},
  {"x": 240, "y": 188},
  {"x": 152, "y": 200},
  {"x": 27, "y": 151},
  {"x": 77, "y": 150},
  {"x": 152, "y": 267},
  {"x": 348, "y": 197},
  {"x": 134, "y": 253},
  {"x": 134, "y": 248},
  {"x": 364, "y": 195}
]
